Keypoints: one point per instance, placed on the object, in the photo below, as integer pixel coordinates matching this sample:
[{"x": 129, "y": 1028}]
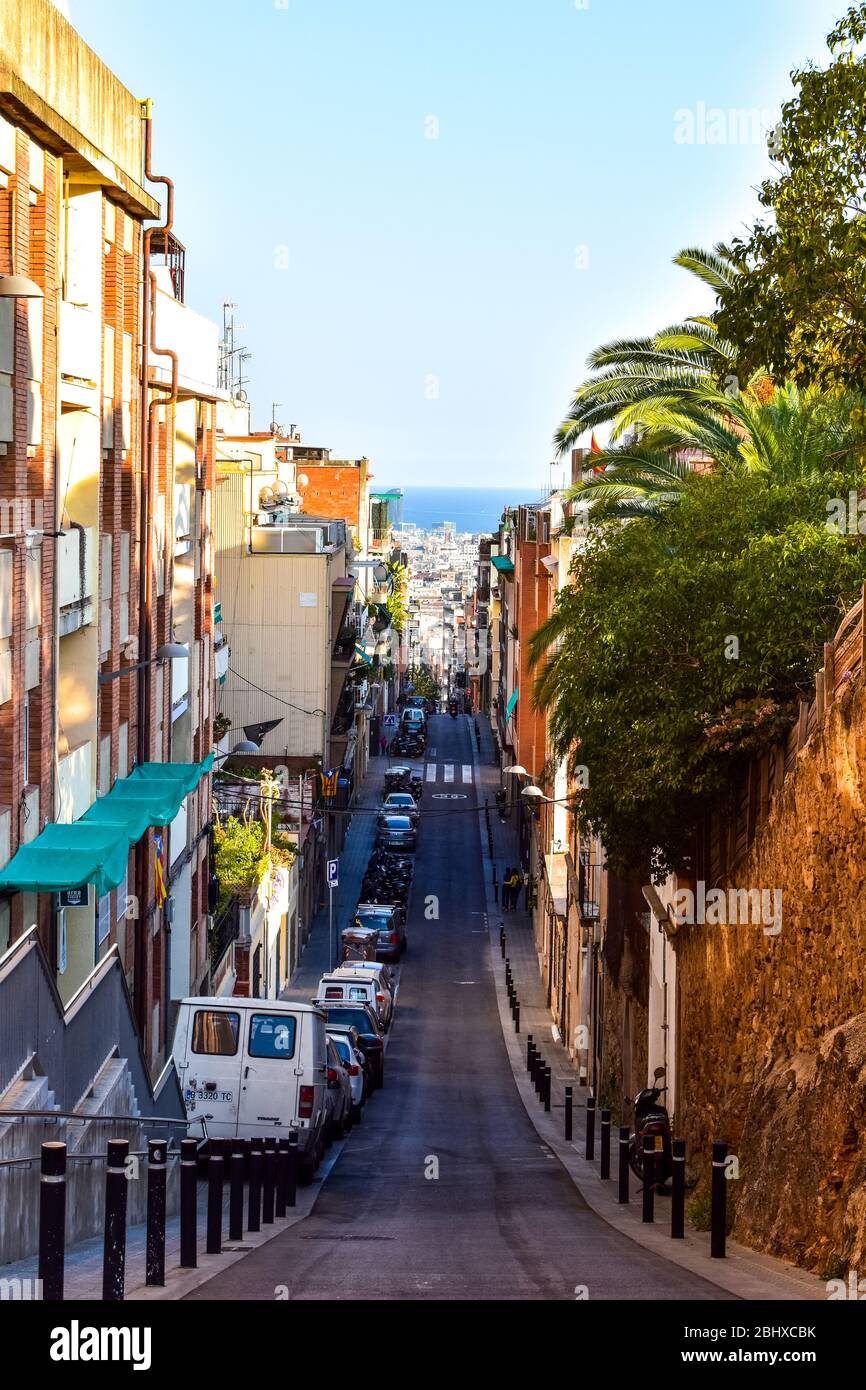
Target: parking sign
[{"x": 333, "y": 873}]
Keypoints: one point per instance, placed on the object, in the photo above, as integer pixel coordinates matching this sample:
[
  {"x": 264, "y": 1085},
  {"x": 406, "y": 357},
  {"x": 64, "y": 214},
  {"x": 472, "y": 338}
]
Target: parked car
[
  {"x": 348, "y": 1032},
  {"x": 255, "y": 1067},
  {"x": 353, "y": 1065},
  {"x": 338, "y": 1096},
  {"x": 397, "y": 833},
  {"x": 401, "y": 803},
  {"x": 389, "y": 922},
  {"x": 357, "y": 989},
  {"x": 382, "y": 971},
  {"x": 362, "y": 1017},
  {"x": 382, "y": 998},
  {"x": 413, "y": 719}
]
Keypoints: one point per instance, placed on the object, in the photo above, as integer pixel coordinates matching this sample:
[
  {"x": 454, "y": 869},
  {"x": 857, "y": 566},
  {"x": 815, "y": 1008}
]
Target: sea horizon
[{"x": 475, "y": 509}]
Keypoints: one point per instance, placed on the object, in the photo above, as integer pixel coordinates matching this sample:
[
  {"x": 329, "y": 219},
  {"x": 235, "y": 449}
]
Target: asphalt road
[{"x": 502, "y": 1220}]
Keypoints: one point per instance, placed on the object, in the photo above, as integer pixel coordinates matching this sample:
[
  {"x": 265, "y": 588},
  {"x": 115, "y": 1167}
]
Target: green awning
[
  {"x": 512, "y": 701},
  {"x": 95, "y": 848},
  {"x": 502, "y": 564},
  {"x": 362, "y": 655}
]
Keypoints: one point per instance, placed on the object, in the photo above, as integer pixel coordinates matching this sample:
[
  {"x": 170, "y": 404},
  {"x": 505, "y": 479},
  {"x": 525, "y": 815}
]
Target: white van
[
  {"x": 255, "y": 1067},
  {"x": 355, "y": 988}
]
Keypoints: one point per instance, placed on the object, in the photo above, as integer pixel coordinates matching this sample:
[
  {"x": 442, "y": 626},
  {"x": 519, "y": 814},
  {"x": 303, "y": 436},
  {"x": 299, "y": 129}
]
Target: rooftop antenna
[{"x": 275, "y": 427}]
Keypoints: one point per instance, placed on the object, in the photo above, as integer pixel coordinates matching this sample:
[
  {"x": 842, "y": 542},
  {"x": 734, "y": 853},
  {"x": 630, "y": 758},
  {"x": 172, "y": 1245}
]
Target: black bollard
[
  {"x": 157, "y": 1163},
  {"x": 188, "y": 1203},
  {"x": 282, "y": 1174},
  {"x": 269, "y": 1182},
  {"x": 649, "y": 1177},
  {"x": 590, "y": 1127},
  {"x": 254, "y": 1213},
  {"x": 678, "y": 1193},
  {"x": 569, "y": 1112},
  {"x": 215, "y": 1172},
  {"x": 605, "y": 1144},
  {"x": 502, "y": 941},
  {"x": 529, "y": 1046},
  {"x": 292, "y": 1170},
  {"x": 718, "y": 1201},
  {"x": 52, "y": 1221},
  {"x": 114, "y": 1246},
  {"x": 622, "y": 1193},
  {"x": 237, "y": 1164},
  {"x": 548, "y": 1082},
  {"x": 516, "y": 1015}
]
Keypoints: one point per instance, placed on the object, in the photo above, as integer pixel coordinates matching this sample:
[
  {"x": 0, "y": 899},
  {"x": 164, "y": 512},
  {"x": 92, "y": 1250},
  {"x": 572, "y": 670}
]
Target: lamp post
[{"x": 170, "y": 651}]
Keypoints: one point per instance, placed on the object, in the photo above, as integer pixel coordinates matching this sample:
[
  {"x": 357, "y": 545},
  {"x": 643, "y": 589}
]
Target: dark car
[
  {"x": 396, "y": 833},
  {"x": 341, "y": 1016},
  {"x": 389, "y": 922}
]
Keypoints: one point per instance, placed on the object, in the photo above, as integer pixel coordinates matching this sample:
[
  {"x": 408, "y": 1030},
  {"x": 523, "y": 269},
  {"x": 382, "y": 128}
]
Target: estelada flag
[
  {"x": 595, "y": 448},
  {"x": 329, "y": 782},
  {"x": 159, "y": 868}
]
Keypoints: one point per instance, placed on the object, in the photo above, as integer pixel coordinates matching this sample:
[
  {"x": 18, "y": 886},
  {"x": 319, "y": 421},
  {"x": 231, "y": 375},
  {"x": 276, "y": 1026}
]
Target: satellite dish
[
  {"x": 303, "y": 480},
  {"x": 240, "y": 397},
  {"x": 280, "y": 491},
  {"x": 266, "y": 497}
]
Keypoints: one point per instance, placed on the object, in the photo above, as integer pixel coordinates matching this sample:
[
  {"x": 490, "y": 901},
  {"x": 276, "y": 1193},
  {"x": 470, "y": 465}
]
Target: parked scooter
[
  {"x": 452, "y": 709},
  {"x": 651, "y": 1118}
]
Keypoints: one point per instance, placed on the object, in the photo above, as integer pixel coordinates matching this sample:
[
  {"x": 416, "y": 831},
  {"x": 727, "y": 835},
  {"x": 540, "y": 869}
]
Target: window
[
  {"x": 333, "y": 991},
  {"x": 26, "y": 720},
  {"x": 122, "y": 894},
  {"x": 272, "y": 1035},
  {"x": 103, "y": 918},
  {"x": 215, "y": 1032}
]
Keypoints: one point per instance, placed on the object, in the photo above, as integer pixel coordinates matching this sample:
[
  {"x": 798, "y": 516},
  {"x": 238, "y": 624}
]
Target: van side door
[
  {"x": 271, "y": 1061},
  {"x": 211, "y": 1078}
]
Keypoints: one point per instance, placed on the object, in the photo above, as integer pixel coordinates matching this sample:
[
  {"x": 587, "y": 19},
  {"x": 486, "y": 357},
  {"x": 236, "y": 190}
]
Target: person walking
[
  {"x": 506, "y": 890},
  {"x": 383, "y": 743},
  {"x": 527, "y": 889},
  {"x": 516, "y": 880}
]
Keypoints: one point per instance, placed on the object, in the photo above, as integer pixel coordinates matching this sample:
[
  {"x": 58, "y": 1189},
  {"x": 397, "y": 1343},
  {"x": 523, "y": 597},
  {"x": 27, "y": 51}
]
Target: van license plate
[
  {"x": 208, "y": 1095},
  {"x": 658, "y": 1143}
]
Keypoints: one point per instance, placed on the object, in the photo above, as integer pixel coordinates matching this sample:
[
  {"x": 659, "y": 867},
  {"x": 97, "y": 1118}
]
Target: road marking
[
  {"x": 431, "y": 772},
  {"x": 467, "y": 772},
  {"x": 448, "y": 796},
  {"x": 449, "y": 772}
]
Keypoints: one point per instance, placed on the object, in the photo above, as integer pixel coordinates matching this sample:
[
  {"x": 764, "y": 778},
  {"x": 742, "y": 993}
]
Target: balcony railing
[{"x": 226, "y": 928}]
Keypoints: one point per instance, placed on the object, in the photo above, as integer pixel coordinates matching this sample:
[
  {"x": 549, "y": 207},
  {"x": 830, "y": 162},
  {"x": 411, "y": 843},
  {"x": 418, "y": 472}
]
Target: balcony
[
  {"x": 80, "y": 340},
  {"x": 75, "y": 583},
  {"x": 195, "y": 340},
  {"x": 221, "y": 658}
]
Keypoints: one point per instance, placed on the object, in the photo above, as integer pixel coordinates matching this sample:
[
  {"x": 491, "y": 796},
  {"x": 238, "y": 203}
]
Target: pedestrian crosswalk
[{"x": 449, "y": 772}]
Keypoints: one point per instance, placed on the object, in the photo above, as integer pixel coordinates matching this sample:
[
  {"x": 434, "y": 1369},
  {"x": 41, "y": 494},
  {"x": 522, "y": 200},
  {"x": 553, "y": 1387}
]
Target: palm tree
[
  {"x": 785, "y": 433},
  {"x": 683, "y": 357}
]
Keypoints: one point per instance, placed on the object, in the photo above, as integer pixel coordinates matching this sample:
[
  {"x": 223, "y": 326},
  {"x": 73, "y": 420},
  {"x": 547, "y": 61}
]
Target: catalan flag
[
  {"x": 595, "y": 448},
  {"x": 159, "y": 867},
  {"x": 329, "y": 782}
]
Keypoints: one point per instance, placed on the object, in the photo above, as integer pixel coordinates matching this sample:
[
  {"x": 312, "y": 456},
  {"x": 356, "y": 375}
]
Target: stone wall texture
[{"x": 771, "y": 1030}]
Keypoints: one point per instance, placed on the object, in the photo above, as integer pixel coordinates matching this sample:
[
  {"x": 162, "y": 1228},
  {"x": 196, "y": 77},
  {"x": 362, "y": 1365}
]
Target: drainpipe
[{"x": 146, "y": 492}]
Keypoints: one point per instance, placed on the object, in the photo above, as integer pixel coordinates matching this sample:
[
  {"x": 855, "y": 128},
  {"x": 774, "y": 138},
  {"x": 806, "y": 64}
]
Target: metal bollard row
[{"x": 273, "y": 1183}]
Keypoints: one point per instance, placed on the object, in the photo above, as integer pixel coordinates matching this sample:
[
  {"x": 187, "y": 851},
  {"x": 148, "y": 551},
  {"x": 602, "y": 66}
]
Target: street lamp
[
  {"x": 516, "y": 770},
  {"x": 169, "y": 651},
  {"x": 19, "y": 287}
]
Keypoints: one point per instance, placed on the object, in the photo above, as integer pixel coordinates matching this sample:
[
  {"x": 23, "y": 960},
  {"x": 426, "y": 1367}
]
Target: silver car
[
  {"x": 353, "y": 1065},
  {"x": 338, "y": 1095}
]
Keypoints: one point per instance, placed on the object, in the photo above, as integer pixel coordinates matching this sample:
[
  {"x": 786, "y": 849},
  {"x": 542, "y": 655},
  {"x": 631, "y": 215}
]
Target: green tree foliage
[
  {"x": 781, "y": 432},
  {"x": 636, "y": 667},
  {"x": 798, "y": 307},
  {"x": 422, "y": 678},
  {"x": 629, "y": 372}
]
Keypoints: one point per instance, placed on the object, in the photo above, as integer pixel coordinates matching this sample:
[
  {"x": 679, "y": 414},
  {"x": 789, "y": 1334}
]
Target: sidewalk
[
  {"x": 315, "y": 959},
  {"x": 743, "y": 1272},
  {"x": 83, "y": 1273}
]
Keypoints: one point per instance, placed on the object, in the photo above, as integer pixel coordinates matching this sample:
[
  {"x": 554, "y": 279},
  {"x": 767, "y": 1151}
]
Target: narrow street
[{"x": 502, "y": 1220}]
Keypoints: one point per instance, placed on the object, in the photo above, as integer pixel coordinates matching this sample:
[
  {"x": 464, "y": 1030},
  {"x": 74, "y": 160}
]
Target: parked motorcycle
[{"x": 651, "y": 1118}]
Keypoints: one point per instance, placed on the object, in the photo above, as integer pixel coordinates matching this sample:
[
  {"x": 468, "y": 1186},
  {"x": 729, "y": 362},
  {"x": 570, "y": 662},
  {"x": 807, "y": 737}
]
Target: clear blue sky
[{"x": 303, "y": 127}]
